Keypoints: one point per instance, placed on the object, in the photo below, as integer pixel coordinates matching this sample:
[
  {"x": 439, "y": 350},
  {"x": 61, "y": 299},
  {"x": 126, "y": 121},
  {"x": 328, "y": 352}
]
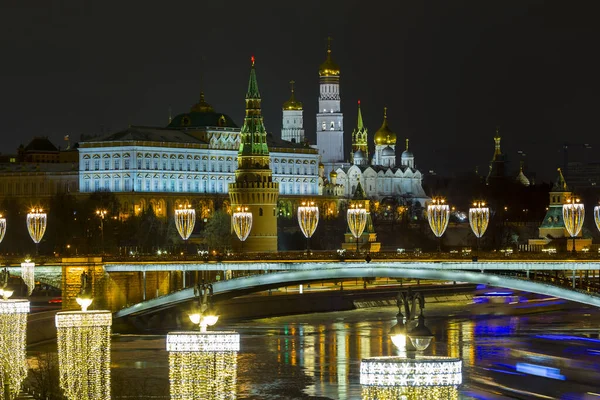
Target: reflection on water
[
  {"x": 409, "y": 393},
  {"x": 203, "y": 375}
]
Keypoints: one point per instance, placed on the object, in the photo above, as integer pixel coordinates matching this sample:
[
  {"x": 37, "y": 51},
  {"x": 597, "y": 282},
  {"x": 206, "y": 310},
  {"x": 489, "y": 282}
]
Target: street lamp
[
  {"x": 308, "y": 219},
  {"x": 242, "y": 223},
  {"x": 185, "y": 220},
  {"x": 203, "y": 314},
  {"x": 36, "y": 225},
  {"x": 357, "y": 220},
  {"x": 438, "y": 214},
  {"x": 479, "y": 217},
  {"x": 101, "y": 213},
  {"x": 573, "y": 216}
]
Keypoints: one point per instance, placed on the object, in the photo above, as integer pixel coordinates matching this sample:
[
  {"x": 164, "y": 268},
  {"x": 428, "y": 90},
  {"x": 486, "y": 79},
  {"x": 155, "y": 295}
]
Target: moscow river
[{"x": 544, "y": 355}]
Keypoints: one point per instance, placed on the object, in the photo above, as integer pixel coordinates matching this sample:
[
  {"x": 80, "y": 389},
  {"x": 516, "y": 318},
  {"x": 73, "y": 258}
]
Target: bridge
[{"x": 529, "y": 276}]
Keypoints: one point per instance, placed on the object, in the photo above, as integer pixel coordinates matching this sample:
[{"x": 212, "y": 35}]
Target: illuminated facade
[
  {"x": 383, "y": 177},
  {"x": 330, "y": 120},
  {"x": 254, "y": 186}
]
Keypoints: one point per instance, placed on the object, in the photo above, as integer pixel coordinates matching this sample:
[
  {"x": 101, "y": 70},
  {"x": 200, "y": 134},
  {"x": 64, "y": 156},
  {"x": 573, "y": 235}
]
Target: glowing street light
[
  {"x": 573, "y": 216},
  {"x": 308, "y": 219},
  {"x": 597, "y": 216},
  {"x": 101, "y": 213},
  {"x": 242, "y": 223},
  {"x": 479, "y": 217},
  {"x": 185, "y": 220},
  {"x": 83, "y": 339},
  {"x": 36, "y": 225},
  {"x": 357, "y": 220},
  {"x": 438, "y": 215}
]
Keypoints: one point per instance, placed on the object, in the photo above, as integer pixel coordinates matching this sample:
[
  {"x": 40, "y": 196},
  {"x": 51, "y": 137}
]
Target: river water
[{"x": 554, "y": 354}]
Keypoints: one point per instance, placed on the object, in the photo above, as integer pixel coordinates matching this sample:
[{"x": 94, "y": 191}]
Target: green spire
[
  {"x": 359, "y": 193},
  {"x": 359, "y": 124},
  {"x": 560, "y": 185},
  {"x": 253, "y": 133}
]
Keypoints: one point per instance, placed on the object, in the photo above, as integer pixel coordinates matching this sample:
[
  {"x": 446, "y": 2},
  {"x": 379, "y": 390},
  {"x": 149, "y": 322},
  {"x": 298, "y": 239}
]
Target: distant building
[
  {"x": 292, "y": 124},
  {"x": 498, "y": 164}
]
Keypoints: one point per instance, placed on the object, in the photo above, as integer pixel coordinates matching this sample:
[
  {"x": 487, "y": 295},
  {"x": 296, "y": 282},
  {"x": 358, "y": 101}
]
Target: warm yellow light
[
  {"x": 195, "y": 318},
  {"x": 573, "y": 216},
  {"x": 185, "y": 220},
  {"x": 479, "y": 217},
  {"x": 210, "y": 320},
  {"x": 84, "y": 302},
  {"x": 438, "y": 214},
  {"x": 28, "y": 275},
  {"x": 399, "y": 340},
  {"x": 597, "y": 216},
  {"x": 13, "y": 332},
  {"x": 308, "y": 218},
  {"x": 357, "y": 219},
  {"x": 6, "y": 293},
  {"x": 2, "y": 227},
  {"x": 36, "y": 224},
  {"x": 241, "y": 221}
]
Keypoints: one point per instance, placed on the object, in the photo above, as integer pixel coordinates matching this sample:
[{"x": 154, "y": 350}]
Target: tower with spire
[
  {"x": 385, "y": 144},
  {"x": 254, "y": 187},
  {"x": 497, "y": 165},
  {"x": 330, "y": 120},
  {"x": 360, "y": 148},
  {"x": 292, "y": 125},
  {"x": 407, "y": 158}
]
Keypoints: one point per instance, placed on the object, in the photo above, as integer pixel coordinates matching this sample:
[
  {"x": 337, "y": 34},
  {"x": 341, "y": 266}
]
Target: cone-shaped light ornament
[
  {"x": 36, "y": 224},
  {"x": 357, "y": 219},
  {"x": 185, "y": 219},
  {"x": 2, "y": 227},
  {"x": 13, "y": 328},
  {"x": 308, "y": 218},
  {"x": 28, "y": 275},
  {"x": 597, "y": 216},
  {"x": 438, "y": 213},
  {"x": 573, "y": 216},
  {"x": 242, "y": 222},
  {"x": 479, "y": 217}
]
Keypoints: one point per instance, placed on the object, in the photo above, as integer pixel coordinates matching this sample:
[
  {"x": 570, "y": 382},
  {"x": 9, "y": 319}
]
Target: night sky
[{"x": 448, "y": 71}]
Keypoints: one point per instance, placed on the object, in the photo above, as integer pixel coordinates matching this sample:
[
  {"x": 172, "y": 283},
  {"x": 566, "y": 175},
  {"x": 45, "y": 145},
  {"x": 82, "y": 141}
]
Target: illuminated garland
[
  {"x": 438, "y": 214},
  {"x": 28, "y": 275},
  {"x": 357, "y": 220},
  {"x": 13, "y": 332},
  {"x": 573, "y": 216},
  {"x": 203, "y": 366},
  {"x": 2, "y": 228},
  {"x": 84, "y": 354},
  {"x": 308, "y": 218},
  {"x": 597, "y": 216},
  {"x": 479, "y": 217},
  {"x": 422, "y": 371},
  {"x": 36, "y": 224},
  {"x": 185, "y": 220},
  {"x": 409, "y": 393},
  {"x": 242, "y": 223}
]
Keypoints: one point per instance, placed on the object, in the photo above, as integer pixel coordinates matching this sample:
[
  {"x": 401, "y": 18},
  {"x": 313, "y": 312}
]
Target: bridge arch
[{"x": 255, "y": 283}]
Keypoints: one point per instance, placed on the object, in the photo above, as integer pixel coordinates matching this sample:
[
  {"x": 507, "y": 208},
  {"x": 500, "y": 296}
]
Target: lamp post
[
  {"x": 357, "y": 220},
  {"x": 36, "y": 225},
  {"x": 410, "y": 376},
  {"x": 308, "y": 219},
  {"x": 83, "y": 339},
  {"x": 479, "y": 218},
  {"x": 438, "y": 214},
  {"x": 242, "y": 223},
  {"x": 573, "y": 216},
  {"x": 101, "y": 213}
]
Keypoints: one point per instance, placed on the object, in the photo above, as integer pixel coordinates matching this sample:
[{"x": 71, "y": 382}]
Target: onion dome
[
  {"x": 292, "y": 104},
  {"x": 321, "y": 165},
  {"x": 387, "y": 152},
  {"x": 333, "y": 174},
  {"x": 406, "y": 153},
  {"x": 329, "y": 68},
  {"x": 359, "y": 154},
  {"x": 384, "y": 135},
  {"x": 522, "y": 179}
]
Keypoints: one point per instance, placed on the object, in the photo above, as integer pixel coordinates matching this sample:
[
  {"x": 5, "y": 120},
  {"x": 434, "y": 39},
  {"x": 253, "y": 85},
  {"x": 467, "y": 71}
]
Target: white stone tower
[
  {"x": 292, "y": 126},
  {"x": 330, "y": 120}
]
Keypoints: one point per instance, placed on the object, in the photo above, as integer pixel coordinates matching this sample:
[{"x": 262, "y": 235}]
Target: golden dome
[
  {"x": 384, "y": 135},
  {"x": 202, "y": 106},
  {"x": 329, "y": 68},
  {"x": 333, "y": 174},
  {"x": 292, "y": 104}
]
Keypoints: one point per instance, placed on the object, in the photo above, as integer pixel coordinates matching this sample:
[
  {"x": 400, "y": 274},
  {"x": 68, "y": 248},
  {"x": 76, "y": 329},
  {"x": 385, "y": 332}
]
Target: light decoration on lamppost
[
  {"x": 410, "y": 376},
  {"x": 597, "y": 216},
  {"x": 83, "y": 339},
  {"x": 357, "y": 220},
  {"x": 2, "y": 227},
  {"x": 36, "y": 225},
  {"x": 479, "y": 218},
  {"x": 242, "y": 223},
  {"x": 438, "y": 215},
  {"x": 13, "y": 333},
  {"x": 203, "y": 364},
  {"x": 28, "y": 275},
  {"x": 185, "y": 220},
  {"x": 308, "y": 219},
  {"x": 573, "y": 216}
]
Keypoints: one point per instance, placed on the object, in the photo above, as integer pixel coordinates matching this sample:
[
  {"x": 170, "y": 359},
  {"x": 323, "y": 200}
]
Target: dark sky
[{"x": 449, "y": 71}]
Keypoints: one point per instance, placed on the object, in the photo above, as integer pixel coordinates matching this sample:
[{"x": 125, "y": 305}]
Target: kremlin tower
[
  {"x": 293, "y": 126},
  {"x": 360, "y": 148},
  {"x": 254, "y": 187}
]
